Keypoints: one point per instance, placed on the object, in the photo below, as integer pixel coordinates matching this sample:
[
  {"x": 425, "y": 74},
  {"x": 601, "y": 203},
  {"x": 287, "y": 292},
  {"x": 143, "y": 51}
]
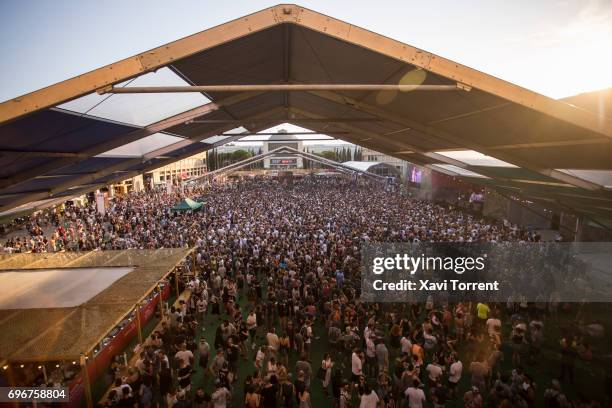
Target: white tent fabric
[
  {"x": 52, "y": 288},
  {"x": 474, "y": 158},
  {"x": 361, "y": 165},
  {"x": 142, "y": 146},
  {"x": 139, "y": 110}
]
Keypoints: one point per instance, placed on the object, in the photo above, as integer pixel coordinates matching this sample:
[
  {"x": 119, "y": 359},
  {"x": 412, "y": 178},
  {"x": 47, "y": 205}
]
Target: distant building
[
  {"x": 279, "y": 162},
  {"x": 174, "y": 173},
  {"x": 185, "y": 169}
]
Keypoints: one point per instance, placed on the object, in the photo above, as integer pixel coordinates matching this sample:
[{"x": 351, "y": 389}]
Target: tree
[
  {"x": 346, "y": 154},
  {"x": 239, "y": 155},
  {"x": 305, "y": 161},
  {"x": 358, "y": 154},
  {"x": 330, "y": 155},
  {"x": 213, "y": 160}
]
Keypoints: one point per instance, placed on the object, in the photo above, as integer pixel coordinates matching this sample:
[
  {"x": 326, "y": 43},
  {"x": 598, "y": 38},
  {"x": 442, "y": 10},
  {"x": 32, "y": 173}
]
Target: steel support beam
[
  {"x": 301, "y": 120},
  {"x": 205, "y": 147},
  {"x": 419, "y": 152},
  {"x": 468, "y": 114},
  {"x": 391, "y": 145},
  {"x": 143, "y": 63},
  {"x": 122, "y": 140},
  {"x": 574, "y": 142},
  {"x": 34, "y": 153},
  {"x": 284, "y": 150},
  {"x": 366, "y": 136},
  {"x": 449, "y": 138},
  {"x": 276, "y": 88},
  {"x": 311, "y": 20},
  {"x": 119, "y": 169},
  {"x": 449, "y": 69},
  {"x": 285, "y": 134},
  {"x": 285, "y": 140}
]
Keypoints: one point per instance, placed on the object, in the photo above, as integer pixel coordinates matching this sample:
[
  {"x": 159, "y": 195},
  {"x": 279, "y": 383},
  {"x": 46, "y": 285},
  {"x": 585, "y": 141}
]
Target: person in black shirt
[
  {"x": 243, "y": 336},
  {"x": 300, "y": 385},
  {"x": 233, "y": 352},
  {"x": 287, "y": 394},
  {"x": 282, "y": 313},
  {"x": 165, "y": 379},
  {"x": 201, "y": 399},
  {"x": 127, "y": 399},
  {"x": 337, "y": 383},
  {"x": 268, "y": 394},
  {"x": 257, "y": 287},
  {"x": 440, "y": 394},
  {"x": 184, "y": 376}
]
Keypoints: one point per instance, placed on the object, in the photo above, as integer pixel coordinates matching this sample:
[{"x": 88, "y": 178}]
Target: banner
[{"x": 101, "y": 203}]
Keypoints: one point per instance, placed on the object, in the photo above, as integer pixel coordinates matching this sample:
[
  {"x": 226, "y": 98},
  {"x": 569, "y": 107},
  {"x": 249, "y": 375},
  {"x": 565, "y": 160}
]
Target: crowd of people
[{"x": 277, "y": 280}]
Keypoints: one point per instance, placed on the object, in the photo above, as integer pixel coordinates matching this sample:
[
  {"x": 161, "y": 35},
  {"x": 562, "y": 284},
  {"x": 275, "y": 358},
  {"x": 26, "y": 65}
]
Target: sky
[{"x": 555, "y": 47}]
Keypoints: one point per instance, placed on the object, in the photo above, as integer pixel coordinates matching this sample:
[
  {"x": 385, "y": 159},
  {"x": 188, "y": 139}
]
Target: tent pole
[
  {"x": 138, "y": 323},
  {"x": 86, "y": 383},
  {"x": 161, "y": 302},
  {"x": 282, "y": 88},
  {"x": 11, "y": 380}
]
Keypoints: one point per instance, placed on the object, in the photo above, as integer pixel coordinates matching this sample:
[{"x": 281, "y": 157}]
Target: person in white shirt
[
  {"x": 220, "y": 396},
  {"x": 251, "y": 324},
  {"x": 370, "y": 356},
  {"x": 356, "y": 365},
  {"x": 273, "y": 341},
  {"x": 183, "y": 355},
  {"x": 415, "y": 395},
  {"x": 434, "y": 372},
  {"x": 369, "y": 399},
  {"x": 493, "y": 325},
  {"x": 201, "y": 307},
  {"x": 406, "y": 345},
  {"x": 454, "y": 373},
  {"x": 367, "y": 332},
  {"x": 259, "y": 357}
]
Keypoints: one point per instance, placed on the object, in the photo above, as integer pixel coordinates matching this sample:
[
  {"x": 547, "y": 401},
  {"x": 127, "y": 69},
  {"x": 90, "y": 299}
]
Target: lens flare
[
  {"x": 385, "y": 97},
  {"x": 412, "y": 77}
]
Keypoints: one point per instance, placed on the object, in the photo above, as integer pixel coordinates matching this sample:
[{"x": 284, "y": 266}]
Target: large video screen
[{"x": 416, "y": 175}]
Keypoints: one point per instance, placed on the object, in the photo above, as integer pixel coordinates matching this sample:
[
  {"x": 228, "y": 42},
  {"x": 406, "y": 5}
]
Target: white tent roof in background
[{"x": 361, "y": 165}]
